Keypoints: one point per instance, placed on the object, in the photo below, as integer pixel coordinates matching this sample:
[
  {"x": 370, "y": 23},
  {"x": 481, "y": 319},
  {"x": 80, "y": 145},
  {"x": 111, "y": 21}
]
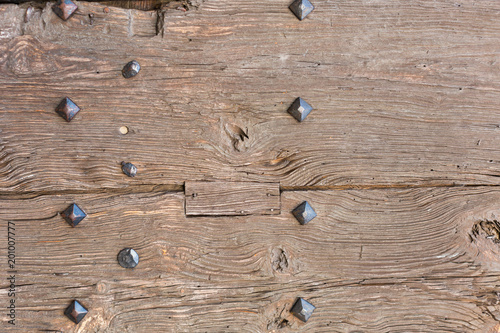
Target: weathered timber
[
  {"x": 129, "y": 4},
  {"x": 404, "y": 94},
  {"x": 232, "y": 198},
  {"x": 393, "y": 260}
]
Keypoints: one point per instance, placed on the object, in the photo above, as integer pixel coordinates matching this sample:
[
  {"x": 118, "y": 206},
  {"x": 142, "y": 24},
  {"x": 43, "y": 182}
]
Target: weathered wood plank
[
  {"x": 232, "y": 198},
  {"x": 405, "y": 93},
  {"x": 412, "y": 260},
  {"x": 130, "y": 4}
]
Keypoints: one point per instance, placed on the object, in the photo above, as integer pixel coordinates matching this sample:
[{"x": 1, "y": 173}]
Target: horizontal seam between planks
[{"x": 138, "y": 189}]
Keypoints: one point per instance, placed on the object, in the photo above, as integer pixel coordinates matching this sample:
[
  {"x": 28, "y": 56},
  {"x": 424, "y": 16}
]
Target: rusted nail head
[
  {"x": 67, "y": 109},
  {"x": 64, "y": 8}
]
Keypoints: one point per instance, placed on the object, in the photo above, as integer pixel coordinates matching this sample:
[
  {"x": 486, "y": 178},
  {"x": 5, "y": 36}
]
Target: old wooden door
[{"x": 399, "y": 158}]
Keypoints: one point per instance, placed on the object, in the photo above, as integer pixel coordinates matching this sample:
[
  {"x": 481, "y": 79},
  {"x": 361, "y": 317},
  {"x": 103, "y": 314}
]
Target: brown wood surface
[
  {"x": 399, "y": 158},
  {"x": 404, "y": 93},
  {"x": 232, "y": 198},
  {"x": 407, "y": 260},
  {"x": 130, "y": 4}
]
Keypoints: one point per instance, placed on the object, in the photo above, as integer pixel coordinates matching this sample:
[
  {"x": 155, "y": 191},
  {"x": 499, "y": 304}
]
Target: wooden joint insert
[{"x": 232, "y": 198}]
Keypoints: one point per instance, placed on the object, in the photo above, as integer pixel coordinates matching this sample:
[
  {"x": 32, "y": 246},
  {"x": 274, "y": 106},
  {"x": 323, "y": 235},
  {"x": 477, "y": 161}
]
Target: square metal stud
[
  {"x": 75, "y": 311},
  {"x": 64, "y": 8},
  {"x": 299, "y": 109},
  {"x": 304, "y": 213},
  {"x": 73, "y": 215},
  {"x": 301, "y": 8},
  {"x": 302, "y": 309},
  {"x": 129, "y": 169},
  {"x": 131, "y": 69},
  {"x": 67, "y": 109},
  {"x": 128, "y": 258}
]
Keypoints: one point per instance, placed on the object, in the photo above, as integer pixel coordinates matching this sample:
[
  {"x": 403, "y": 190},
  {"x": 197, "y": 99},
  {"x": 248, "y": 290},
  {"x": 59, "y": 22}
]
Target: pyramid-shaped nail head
[
  {"x": 299, "y": 109},
  {"x": 129, "y": 169},
  {"x": 302, "y": 309},
  {"x": 75, "y": 311},
  {"x": 131, "y": 69},
  {"x": 301, "y": 8},
  {"x": 64, "y": 8},
  {"x": 67, "y": 109},
  {"x": 73, "y": 215},
  {"x": 128, "y": 258},
  {"x": 304, "y": 213}
]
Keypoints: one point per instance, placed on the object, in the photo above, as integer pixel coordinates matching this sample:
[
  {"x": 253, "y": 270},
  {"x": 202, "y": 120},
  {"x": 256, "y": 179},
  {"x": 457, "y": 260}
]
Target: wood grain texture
[
  {"x": 404, "y": 94},
  {"x": 232, "y": 198},
  {"x": 409, "y": 260},
  {"x": 128, "y": 4},
  {"x": 405, "y": 100}
]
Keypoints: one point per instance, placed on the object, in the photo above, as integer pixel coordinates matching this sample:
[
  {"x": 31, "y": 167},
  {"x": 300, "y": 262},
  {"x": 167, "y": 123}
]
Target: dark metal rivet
[
  {"x": 128, "y": 258},
  {"x": 302, "y": 309},
  {"x": 67, "y": 109},
  {"x": 75, "y": 311},
  {"x": 129, "y": 169},
  {"x": 73, "y": 215},
  {"x": 304, "y": 213},
  {"x": 301, "y": 8},
  {"x": 299, "y": 109},
  {"x": 64, "y": 8},
  {"x": 131, "y": 69}
]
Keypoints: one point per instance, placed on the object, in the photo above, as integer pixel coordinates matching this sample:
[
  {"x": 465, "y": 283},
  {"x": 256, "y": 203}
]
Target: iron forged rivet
[
  {"x": 67, "y": 109},
  {"x": 64, "y": 8},
  {"x": 75, "y": 311},
  {"x": 299, "y": 109},
  {"x": 128, "y": 258},
  {"x": 302, "y": 309},
  {"x": 131, "y": 69},
  {"x": 301, "y": 8},
  {"x": 73, "y": 214},
  {"x": 304, "y": 213},
  {"x": 129, "y": 169}
]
